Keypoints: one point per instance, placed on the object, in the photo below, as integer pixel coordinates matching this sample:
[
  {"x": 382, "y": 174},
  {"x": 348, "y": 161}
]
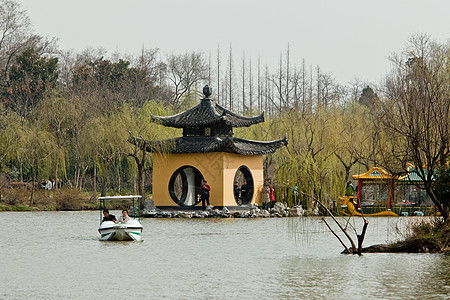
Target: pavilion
[{"x": 208, "y": 151}]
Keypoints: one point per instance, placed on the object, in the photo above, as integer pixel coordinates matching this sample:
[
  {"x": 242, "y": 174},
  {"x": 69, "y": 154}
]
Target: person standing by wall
[
  {"x": 236, "y": 190},
  {"x": 271, "y": 195},
  {"x": 204, "y": 192},
  {"x": 265, "y": 194},
  {"x": 244, "y": 192}
]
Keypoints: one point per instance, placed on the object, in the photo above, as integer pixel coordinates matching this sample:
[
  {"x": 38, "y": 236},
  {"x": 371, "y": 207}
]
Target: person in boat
[
  {"x": 107, "y": 216},
  {"x": 124, "y": 218},
  {"x": 204, "y": 192}
]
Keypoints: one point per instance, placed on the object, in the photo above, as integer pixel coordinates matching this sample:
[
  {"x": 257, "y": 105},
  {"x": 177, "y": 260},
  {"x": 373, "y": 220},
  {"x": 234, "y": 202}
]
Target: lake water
[{"x": 57, "y": 255}]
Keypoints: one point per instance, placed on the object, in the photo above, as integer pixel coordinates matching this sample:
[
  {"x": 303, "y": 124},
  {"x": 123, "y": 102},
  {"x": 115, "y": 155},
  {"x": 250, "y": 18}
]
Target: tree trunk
[
  {"x": 33, "y": 175},
  {"x": 361, "y": 236},
  {"x": 56, "y": 175},
  {"x": 118, "y": 180},
  {"x": 21, "y": 171},
  {"x": 75, "y": 175},
  {"x": 141, "y": 181},
  {"x": 443, "y": 210},
  {"x": 103, "y": 193},
  {"x": 95, "y": 178}
]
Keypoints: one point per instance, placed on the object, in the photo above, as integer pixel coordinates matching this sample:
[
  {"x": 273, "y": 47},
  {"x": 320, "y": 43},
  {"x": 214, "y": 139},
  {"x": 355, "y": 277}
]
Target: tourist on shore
[
  {"x": 59, "y": 183},
  {"x": 244, "y": 192},
  {"x": 204, "y": 192},
  {"x": 48, "y": 185},
  {"x": 295, "y": 194},
  {"x": 124, "y": 218},
  {"x": 265, "y": 194},
  {"x": 271, "y": 195},
  {"x": 236, "y": 190},
  {"x": 107, "y": 216}
]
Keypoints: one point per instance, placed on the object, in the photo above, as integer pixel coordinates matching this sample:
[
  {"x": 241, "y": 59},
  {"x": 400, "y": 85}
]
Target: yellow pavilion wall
[{"x": 217, "y": 168}]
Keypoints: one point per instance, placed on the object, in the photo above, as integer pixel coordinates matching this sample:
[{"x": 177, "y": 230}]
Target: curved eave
[
  {"x": 207, "y": 113},
  {"x": 240, "y": 121},
  {"x": 212, "y": 144},
  {"x": 249, "y": 147},
  {"x": 374, "y": 173}
]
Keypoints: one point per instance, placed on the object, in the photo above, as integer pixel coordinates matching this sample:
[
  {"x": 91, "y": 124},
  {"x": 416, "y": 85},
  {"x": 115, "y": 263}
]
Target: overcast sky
[{"x": 348, "y": 38}]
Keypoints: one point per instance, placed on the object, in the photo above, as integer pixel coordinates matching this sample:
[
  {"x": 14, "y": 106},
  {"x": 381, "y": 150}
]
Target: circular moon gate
[
  {"x": 184, "y": 186},
  {"x": 243, "y": 196}
]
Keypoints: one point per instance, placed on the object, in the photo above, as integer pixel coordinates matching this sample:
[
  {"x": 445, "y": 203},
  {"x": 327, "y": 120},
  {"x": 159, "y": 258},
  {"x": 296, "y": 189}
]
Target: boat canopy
[{"x": 129, "y": 197}]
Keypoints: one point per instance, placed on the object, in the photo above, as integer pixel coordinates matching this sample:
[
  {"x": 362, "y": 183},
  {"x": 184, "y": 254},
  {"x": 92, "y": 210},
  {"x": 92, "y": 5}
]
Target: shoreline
[{"x": 279, "y": 211}]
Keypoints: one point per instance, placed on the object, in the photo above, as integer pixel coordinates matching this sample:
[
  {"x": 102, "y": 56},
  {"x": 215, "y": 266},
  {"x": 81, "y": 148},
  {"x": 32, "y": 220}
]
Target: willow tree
[
  {"x": 133, "y": 128},
  {"x": 101, "y": 134},
  {"x": 348, "y": 136},
  {"x": 416, "y": 111},
  {"x": 307, "y": 162},
  {"x": 59, "y": 118},
  {"x": 9, "y": 121},
  {"x": 35, "y": 146}
]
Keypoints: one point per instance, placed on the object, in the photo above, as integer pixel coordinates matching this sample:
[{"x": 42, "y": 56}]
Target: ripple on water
[{"x": 57, "y": 255}]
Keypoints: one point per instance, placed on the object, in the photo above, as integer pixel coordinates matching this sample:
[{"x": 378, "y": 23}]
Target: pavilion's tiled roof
[
  {"x": 212, "y": 144},
  {"x": 207, "y": 113},
  {"x": 413, "y": 175},
  {"x": 374, "y": 173}
]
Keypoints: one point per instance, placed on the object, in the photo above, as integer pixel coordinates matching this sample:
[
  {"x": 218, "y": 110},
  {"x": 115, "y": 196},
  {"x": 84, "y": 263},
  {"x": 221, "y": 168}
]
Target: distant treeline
[{"x": 68, "y": 115}]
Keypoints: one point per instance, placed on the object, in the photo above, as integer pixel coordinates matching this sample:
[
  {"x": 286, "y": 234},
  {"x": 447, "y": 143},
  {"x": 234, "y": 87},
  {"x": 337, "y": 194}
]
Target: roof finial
[{"x": 207, "y": 91}]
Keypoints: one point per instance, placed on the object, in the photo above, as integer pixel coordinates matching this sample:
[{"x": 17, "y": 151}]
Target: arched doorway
[
  {"x": 243, "y": 186},
  {"x": 184, "y": 186}
]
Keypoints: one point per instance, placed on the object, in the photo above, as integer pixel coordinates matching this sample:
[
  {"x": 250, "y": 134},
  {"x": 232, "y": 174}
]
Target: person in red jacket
[{"x": 204, "y": 193}]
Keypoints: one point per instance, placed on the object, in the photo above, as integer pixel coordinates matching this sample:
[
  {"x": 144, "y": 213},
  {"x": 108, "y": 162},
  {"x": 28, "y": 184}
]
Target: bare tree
[
  {"x": 259, "y": 86},
  {"x": 416, "y": 111},
  {"x": 243, "y": 82},
  {"x": 230, "y": 78},
  {"x": 250, "y": 85},
  {"x": 287, "y": 77},
  {"x": 16, "y": 35},
  {"x": 218, "y": 75},
  {"x": 184, "y": 72}
]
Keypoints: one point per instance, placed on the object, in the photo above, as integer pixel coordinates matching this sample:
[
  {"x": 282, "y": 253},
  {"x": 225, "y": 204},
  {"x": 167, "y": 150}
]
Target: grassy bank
[
  {"x": 428, "y": 235},
  {"x": 19, "y": 199}
]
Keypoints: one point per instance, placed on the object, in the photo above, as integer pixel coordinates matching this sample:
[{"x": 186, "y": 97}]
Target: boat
[{"x": 129, "y": 231}]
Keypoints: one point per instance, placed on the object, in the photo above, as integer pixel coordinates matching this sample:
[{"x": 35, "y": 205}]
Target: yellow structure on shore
[
  {"x": 217, "y": 168},
  {"x": 349, "y": 201},
  {"x": 208, "y": 151},
  {"x": 379, "y": 193}
]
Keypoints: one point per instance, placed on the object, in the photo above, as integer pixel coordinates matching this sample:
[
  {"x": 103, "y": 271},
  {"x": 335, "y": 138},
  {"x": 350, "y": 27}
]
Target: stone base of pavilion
[{"x": 254, "y": 211}]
